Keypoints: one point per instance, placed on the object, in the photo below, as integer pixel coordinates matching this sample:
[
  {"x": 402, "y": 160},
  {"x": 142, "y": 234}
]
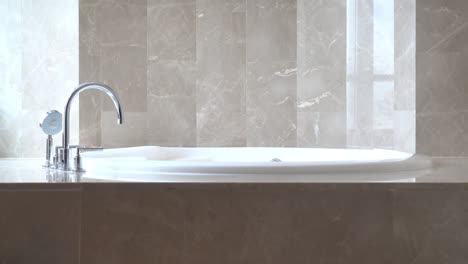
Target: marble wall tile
[
  {"x": 129, "y": 134},
  {"x": 38, "y": 70},
  {"x": 171, "y": 30},
  {"x": 171, "y": 76},
  {"x": 319, "y": 129},
  {"x": 271, "y": 73},
  {"x": 40, "y": 226},
  {"x": 441, "y": 66},
  {"x": 321, "y": 73},
  {"x": 405, "y": 54},
  {"x": 221, "y": 66},
  {"x": 430, "y": 226},
  {"x": 122, "y": 36},
  {"x": 207, "y": 74},
  {"x": 89, "y": 66},
  {"x": 124, "y": 69},
  {"x": 442, "y": 134},
  {"x": 404, "y": 131}
]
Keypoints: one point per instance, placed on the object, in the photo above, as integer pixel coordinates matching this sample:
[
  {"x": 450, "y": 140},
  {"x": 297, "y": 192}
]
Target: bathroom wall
[
  {"x": 38, "y": 70},
  {"x": 247, "y": 73},
  {"x": 442, "y": 83}
]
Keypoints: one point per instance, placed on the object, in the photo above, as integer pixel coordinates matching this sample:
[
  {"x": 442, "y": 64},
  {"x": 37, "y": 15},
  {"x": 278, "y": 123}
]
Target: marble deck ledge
[{"x": 447, "y": 173}]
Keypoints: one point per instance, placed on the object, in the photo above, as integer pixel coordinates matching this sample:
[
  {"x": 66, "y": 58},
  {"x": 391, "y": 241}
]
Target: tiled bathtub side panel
[
  {"x": 208, "y": 224},
  {"x": 40, "y": 226},
  {"x": 430, "y": 226}
]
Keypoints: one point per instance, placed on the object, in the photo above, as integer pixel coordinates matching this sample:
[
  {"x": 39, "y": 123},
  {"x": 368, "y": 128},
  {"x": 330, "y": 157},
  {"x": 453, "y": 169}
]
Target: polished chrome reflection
[
  {"x": 51, "y": 124},
  {"x": 66, "y": 123}
]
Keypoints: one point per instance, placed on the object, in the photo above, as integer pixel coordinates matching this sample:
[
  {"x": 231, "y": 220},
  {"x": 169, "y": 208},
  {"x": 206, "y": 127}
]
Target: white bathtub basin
[{"x": 152, "y": 163}]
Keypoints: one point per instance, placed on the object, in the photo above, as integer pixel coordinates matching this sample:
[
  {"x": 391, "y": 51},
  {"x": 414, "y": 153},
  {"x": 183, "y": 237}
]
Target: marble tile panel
[
  {"x": 130, "y": 134},
  {"x": 271, "y": 73},
  {"x": 171, "y": 30},
  {"x": 430, "y": 226},
  {"x": 124, "y": 69},
  {"x": 89, "y": 70},
  {"x": 271, "y": 21},
  {"x": 177, "y": 126},
  {"x": 321, "y": 129},
  {"x": 271, "y": 104},
  {"x": 122, "y": 23},
  {"x": 442, "y": 134},
  {"x": 321, "y": 56},
  {"x": 405, "y": 55},
  {"x": 441, "y": 79},
  {"x": 171, "y": 103},
  {"x": 221, "y": 66},
  {"x": 440, "y": 25},
  {"x": 132, "y": 225},
  {"x": 404, "y": 131},
  {"x": 38, "y": 226},
  {"x": 284, "y": 227}
]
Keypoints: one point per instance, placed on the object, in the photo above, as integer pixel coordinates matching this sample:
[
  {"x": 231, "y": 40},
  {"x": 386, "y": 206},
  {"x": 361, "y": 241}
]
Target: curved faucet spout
[{"x": 66, "y": 121}]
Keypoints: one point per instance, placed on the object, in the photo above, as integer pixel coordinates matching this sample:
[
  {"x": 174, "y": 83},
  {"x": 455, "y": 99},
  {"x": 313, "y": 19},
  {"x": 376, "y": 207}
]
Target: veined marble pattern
[
  {"x": 243, "y": 73},
  {"x": 271, "y": 73},
  {"x": 38, "y": 71},
  {"x": 321, "y": 73}
]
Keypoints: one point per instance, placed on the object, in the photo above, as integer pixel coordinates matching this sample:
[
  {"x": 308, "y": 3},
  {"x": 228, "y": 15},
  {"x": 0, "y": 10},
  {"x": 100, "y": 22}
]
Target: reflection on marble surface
[
  {"x": 444, "y": 170},
  {"x": 38, "y": 70}
]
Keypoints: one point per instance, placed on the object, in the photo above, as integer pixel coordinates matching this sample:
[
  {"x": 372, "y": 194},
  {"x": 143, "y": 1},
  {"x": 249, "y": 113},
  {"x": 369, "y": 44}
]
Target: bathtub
[{"x": 166, "y": 164}]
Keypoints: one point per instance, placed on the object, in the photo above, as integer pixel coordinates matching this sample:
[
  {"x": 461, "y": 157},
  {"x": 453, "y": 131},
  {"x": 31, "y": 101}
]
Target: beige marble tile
[
  {"x": 171, "y": 30},
  {"x": 321, "y": 56},
  {"x": 271, "y": 73},
  {"x": 442, "y": 134},
  {"x": 122, "y": 23},
  {"x": 176, "y": 127},
  {"x": 405, "y": 54},
  {"x": 404, "y": 131},
  {"x": 442, "y": 63},
  {"x": 221, "y": 66},
  {"x": 129, "y": 134},
  {"x": 321, "y": 73},
  {"x": 321, "y": 129},
  {"x": 271, "y": 104},
  {"x": 124, "y": 68},
  {"x": 39, "y": 66},
  {"x": 89, "y": 70},
  {"x": 171, "y": 103}
]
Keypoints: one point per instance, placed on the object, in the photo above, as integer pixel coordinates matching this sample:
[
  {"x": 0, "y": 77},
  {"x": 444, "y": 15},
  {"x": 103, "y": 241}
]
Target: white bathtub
[{"x": 161, "y": 164}]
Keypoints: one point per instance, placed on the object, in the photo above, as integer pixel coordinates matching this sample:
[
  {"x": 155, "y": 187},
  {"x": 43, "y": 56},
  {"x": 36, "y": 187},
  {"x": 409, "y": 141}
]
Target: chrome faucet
[{"x": 64, "y": 153}]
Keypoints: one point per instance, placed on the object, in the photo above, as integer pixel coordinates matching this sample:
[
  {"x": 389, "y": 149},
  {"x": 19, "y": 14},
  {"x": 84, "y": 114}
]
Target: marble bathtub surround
[
  {"x": 249, "y": 73},
  {"x": 233, "y": 223}
]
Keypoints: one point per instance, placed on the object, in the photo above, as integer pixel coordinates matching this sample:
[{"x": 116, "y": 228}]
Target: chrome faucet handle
[
  {"x": 58, "y": 158},
  {"x": 77, "y": 159}
]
